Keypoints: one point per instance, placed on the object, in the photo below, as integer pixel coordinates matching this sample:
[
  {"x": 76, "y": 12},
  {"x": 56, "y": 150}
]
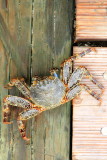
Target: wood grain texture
[
  {"x": 22, "y": 17},
  {"x": 51, "y": 44},
  {"x": 17, "y": 17},
  {"x": 88, "y": 117},
  {"x": 91, "y": 20},
  {"x": 5, "y": 131},
  {"x": 35, "y": 38}
]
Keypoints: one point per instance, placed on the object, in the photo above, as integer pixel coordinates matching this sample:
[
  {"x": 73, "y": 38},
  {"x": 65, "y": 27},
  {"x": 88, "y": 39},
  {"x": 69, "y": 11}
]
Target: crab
[{"x": 48, "y": 92}]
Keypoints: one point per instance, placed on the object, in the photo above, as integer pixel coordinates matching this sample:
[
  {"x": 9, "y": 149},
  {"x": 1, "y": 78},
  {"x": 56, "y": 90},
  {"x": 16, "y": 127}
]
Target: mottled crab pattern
[{"x": 48, "y": 92}]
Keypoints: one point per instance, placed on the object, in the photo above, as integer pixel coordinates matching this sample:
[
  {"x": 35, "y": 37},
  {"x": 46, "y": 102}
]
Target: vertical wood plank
[
  {"x": 5, "y": 131},
  {"x": 51, "y": 44},
  {"x": 88, "y": 117},
  {"x": 5, "y": 146},
  {"x": 22, "y": 18},
  {"x": 18, "y": 19}
]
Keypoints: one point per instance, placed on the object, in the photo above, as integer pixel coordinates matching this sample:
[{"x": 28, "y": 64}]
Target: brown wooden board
[
  {"x": 35, "y": 37},
  {"x": 91, "y": 20},
  {"x": 51, "y": 44},
  {"x": 16, "y": 22},
  {"x": 88, "y": 117}
]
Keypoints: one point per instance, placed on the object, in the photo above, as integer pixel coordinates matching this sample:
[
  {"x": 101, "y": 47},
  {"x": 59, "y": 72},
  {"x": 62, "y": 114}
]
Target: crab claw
[{"x": 22, "y": 130}]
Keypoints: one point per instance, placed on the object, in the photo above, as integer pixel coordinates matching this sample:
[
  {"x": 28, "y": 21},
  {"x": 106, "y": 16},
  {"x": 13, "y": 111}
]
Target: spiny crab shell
[{"x": 48, "y": 93}]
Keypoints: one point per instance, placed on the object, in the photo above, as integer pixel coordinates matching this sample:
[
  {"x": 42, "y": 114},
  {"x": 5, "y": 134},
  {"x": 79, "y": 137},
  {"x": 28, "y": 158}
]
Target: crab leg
[
  {"x": 21, "y": 85},
  {"x": 73, "y": 92},
  {"x": 66, "y": 66},
  {"x": 14, "y": 101},
  {"x": 79, "y": 73},
  {"x": 90, "y": 76},
  {"x": 66, "y": 72},
  {"x": 24, "y": 116},
  {"x": 91, "y": 92},
  {"x": 82, "y": 54},
  {"x": 79, "y": 55},
  {"x": 6, "y": 114}
]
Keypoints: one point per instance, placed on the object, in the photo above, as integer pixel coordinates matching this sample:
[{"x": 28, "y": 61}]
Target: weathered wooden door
[{"x": 35, "y": 35}]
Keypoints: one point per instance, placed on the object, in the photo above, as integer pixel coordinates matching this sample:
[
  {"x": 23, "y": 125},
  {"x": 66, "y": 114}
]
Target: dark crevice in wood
[
  {"x": 72, "y": 18},
  {"x": 0, "y": 118},
  {"x": 6, "y": 2},
  {"x": 32, "y": 21},
  {"x": 72, "y": 31},
  {"x": 44, "y": 143},
  {"x": 92, "y": 43}
]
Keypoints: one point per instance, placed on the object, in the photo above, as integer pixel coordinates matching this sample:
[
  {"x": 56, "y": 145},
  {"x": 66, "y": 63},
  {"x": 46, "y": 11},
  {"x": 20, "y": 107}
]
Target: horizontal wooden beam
[{"x": 91, "y": 20}]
